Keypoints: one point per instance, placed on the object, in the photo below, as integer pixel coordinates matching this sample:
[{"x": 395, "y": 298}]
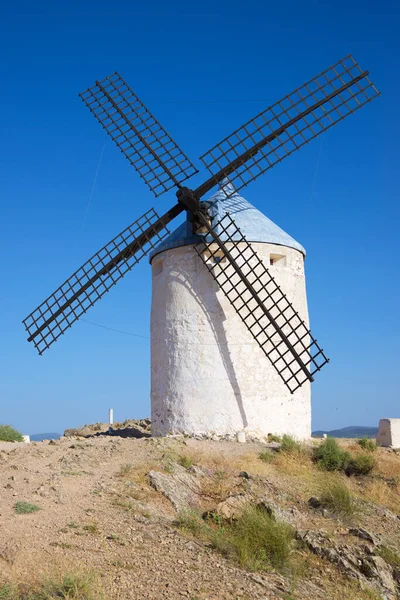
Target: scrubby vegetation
[
  {"x": 360, "y": 464},
  {"x": 254, "y": 540},
  {"x": 390, "y": 556},
  {"x": 290, "y": 445},
  {"x": 266, "y": 455},
  {"x": 329, "y": 456},
  {"x": 274, "y": 438},
  {"x": 367, "y": 444},
  {"x": 125, "y": 470},
  {"x": 337, "y": 498},
  {"x": 72, "y": 586},
  {"x": 23, "y": 508},
  {"x": 9, "y": 434},
  {"x": 185, "y": 461}
]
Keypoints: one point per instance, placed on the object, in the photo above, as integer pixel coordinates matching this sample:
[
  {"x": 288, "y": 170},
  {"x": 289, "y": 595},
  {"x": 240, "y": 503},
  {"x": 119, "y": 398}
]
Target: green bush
[
  {"x": 337, "y": 498},
  {"x": 23, "y": 508},
  {"x": 362, "y": 464},
  {"x": 273, "y": 438},
  {"x": 255, "y": 540},
  {"x": 9, "y": 434},
  {"x": 330, "y": 456},
  {"x": 367, "y": 444},
  {"x": 185, "y": 461},
  {"x": 267, "y": 456},
  {"x": 290, "y": 445}
]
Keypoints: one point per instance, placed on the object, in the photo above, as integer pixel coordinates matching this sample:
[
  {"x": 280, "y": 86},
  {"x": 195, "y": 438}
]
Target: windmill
[{"x": 240, "y": 291}]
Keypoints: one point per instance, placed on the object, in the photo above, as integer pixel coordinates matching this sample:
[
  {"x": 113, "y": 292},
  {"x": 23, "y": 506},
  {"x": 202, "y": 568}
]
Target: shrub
[
  {"x": 23, "y": 508},
  {"x": 267, "y": 456},
  {"x": 330, "y": 456},
  {"x": 273, "y": 438},
  {"x": 361, "y": 464},
  {"x": 391, "y": 557},
  {"x": 9, "y": 434},
  {"x": 190, "y": 521},
  {"x": 125, "y": 470},
  {"x": 290, "y": 445},
  {"x": 336, "y": 497},
  {"x": 367, "y": 444},
  {"x": 185, "y": 461},
  {"x": 255, "y": 540}
]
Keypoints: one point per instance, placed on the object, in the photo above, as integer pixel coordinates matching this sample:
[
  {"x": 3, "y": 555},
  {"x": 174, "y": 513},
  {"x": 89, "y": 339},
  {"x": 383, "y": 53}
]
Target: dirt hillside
[{"x": 127, "y": 510}]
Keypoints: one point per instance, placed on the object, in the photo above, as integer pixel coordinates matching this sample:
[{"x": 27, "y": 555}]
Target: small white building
[{"x": 208, "y": 374}]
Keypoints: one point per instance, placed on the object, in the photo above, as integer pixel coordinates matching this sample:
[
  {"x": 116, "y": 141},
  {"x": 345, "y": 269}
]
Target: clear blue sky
[{"x": 203, "y": 68}]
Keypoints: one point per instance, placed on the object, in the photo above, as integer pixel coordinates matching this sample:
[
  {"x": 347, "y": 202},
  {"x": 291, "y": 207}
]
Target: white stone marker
[
  {"x": 241, "y": 437},
  {"x": 111, "y": 416},
  {"x": 389, "y": 433},
  {"x": 27, "y": 439}
]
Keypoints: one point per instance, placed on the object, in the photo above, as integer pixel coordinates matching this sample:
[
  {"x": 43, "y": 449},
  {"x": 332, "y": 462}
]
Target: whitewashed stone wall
[
  {"x": 208, "y": 374},
  {"x": 389, "y": 433}
]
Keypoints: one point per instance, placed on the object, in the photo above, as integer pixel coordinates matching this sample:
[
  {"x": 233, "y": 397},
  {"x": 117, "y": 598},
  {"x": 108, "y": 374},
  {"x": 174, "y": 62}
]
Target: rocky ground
[{"x": 109, "y": 504}]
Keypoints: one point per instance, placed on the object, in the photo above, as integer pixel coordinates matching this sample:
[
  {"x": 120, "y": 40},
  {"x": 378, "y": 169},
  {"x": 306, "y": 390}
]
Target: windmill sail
[
  {"x": 261, "y": 304},
  {"x": 93, "y": 279},
  {"x": 288, "y": 124},
  {"x": 139, "y": 136}
]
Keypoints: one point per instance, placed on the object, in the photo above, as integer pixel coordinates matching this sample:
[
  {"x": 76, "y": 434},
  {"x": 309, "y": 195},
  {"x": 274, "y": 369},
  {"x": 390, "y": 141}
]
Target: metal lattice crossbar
[
  {"x": 261, "y": 304},
  {"x": 145, "y": 143},
  {"x": 89, "y": 283},
  {"x": 290, "y": 123}
]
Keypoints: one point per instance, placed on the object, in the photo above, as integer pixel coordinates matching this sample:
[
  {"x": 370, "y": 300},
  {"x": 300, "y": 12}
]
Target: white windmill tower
[
  {"x": 231, "y": 346},
  {"x": 208, "y": 373}
]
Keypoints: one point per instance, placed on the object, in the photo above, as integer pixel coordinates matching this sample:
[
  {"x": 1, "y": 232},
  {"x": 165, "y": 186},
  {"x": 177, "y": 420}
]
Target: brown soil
[{"x": 99, "y": 512}]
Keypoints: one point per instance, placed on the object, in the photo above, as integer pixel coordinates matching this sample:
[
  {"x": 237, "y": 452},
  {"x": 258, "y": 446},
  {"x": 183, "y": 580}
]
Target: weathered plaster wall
[
  {"x": 208, "y": 375},
  {"x": 389, "y": 433}
]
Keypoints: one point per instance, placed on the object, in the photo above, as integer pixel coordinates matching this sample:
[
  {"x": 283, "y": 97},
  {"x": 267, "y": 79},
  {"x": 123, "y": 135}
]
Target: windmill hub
[{"x": 188, "y": 198}]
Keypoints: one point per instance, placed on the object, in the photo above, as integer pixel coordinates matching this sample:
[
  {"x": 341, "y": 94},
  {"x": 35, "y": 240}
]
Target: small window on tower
[
  {"x": 158, "y": 267},
  {"x": 278, "y": 260}
]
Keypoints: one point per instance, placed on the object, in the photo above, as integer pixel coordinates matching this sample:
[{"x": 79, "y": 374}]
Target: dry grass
[
  {"x": 379, "y": 492},
  {"x": 388, "y": 465},
  {"x": 73, "y": 585},
  {"x": 336, "y": 496},
  {"x": 219, "y": 485},
  {"x": 126, "y": 469},
  {"x": 383, "y": 487},
  {"x": 296, "y": 463},
  {"x": 335, "y": 584}
]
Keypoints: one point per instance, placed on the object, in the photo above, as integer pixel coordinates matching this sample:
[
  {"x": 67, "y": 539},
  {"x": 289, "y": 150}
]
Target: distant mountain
[
  {"x": 39, "y": 437},
  {"x": 354, "y": 431}
]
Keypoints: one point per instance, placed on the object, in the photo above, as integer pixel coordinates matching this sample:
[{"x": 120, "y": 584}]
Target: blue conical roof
[{"x": 255, "y": 226}]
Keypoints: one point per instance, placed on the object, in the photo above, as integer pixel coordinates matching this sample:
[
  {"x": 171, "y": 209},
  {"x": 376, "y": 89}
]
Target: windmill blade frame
[
  {"x": 260, "y": 302},
  {"x": 95, "y": 277},
  {"x": 289, "y": 124},
  {"x": 137, "y": 133}
]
